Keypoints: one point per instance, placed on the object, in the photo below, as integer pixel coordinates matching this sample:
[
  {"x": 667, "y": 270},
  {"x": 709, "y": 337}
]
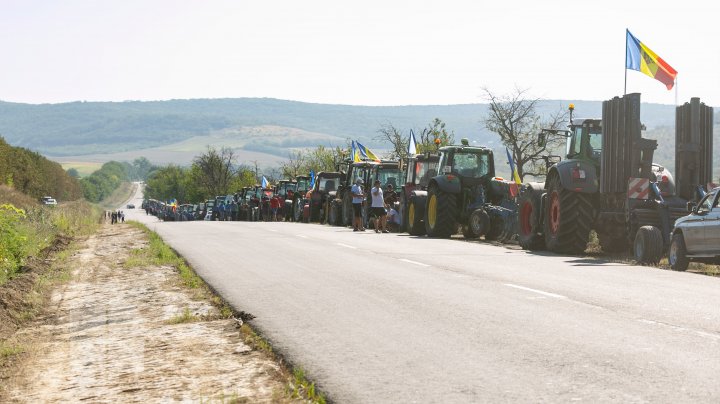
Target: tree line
[
  {"x": 101, "y": 183},
  {"x": 34, "y": 175}
]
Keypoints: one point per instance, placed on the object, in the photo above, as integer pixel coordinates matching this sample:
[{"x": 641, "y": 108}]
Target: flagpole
[
  {"x": 676, "y": 90},
  {"x": 626, "y": 52}
]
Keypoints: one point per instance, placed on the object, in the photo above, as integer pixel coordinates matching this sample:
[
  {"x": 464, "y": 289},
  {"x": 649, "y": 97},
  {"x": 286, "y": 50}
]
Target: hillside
[{"x": 259, "y": 129}]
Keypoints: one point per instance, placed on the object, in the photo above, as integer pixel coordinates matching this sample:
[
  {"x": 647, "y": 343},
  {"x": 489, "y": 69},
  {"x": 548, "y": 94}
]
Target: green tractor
[{"x": 466, "y": 193}]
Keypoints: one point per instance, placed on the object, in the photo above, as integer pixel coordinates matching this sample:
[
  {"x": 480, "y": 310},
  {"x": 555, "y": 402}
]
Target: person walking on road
[
  {"x": 357, "y": 201},
  {"x": 378, "y": 208}
]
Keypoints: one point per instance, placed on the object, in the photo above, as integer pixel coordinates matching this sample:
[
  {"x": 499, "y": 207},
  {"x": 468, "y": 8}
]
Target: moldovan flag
[
  {"x": 639, "y": 57},
  {"x": 265, "y": 183},
  {"x": 366, "y": 153},
  {"x": 412, "y": 144},
  {"x": 515, "y": 175}
]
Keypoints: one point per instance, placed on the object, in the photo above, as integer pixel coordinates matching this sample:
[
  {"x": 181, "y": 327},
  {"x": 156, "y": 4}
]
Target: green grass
[
  {"x": 185, "y": 317},
  {"x": 84, "y": 168}
]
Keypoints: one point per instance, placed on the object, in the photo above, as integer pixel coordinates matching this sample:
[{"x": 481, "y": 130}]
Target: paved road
[{"x": 393, "y": 318}]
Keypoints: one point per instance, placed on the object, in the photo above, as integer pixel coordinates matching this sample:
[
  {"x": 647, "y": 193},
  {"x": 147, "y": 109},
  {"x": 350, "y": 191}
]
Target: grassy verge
[
  {"x": 124, "y": 192},
  {"x": 28, "y": 228},
  {"x": 158, "y": 253}
]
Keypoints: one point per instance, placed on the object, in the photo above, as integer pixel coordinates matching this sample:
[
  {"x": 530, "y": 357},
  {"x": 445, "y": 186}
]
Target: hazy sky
[{"x": 364, "y": 52}]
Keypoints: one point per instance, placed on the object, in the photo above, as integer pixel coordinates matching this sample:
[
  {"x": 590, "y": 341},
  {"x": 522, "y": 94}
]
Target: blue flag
[
  {"x": 265, "y": 183},
  {"x": 312, "y": 179}
]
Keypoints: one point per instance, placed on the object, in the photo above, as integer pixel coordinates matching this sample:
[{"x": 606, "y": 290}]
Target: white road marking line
[
  {"x": 536, "y": 291},
  {"x": 682, "y": 329},
  {"x": 301, "y": 235},
  {"x": 413, "y": 262},
  {"x": 273, "y": 230},
  {"x": 347, "y": 246}
]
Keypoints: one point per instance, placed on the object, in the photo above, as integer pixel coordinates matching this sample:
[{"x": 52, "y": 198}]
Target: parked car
[
  {"x": 130, "y": 206},
  {"x": 696, "y": 237},
  {"x": 48, "y": 200}
]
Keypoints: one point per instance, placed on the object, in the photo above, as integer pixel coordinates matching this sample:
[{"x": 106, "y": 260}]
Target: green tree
[{"x": 214, "y": 171}]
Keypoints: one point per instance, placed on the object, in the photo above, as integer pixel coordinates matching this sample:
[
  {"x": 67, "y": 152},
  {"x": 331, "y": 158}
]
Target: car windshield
[{"x": 471, "y": 164}]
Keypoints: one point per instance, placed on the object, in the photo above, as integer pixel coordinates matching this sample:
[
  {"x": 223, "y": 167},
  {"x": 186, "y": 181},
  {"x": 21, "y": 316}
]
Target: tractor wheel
[
  {"x": 530, "y": 225},
  {"x": 440, "y": 213},
  {"x": 648, "y": 246},
  {"x": 333, "y": 219},
  {"x": 403, "y": 213},
  {"x": 347, "y": 209},
  {"x": 415, "y": 214},
  {"x": 613, "y": 243},
  {"x": 297, "y": 211},
  {"x": 568, "y": 218},
  {"x": 495, "y": 229},
  {"x": 678, "y": 253},
  {"x": 478, "y": 224}
]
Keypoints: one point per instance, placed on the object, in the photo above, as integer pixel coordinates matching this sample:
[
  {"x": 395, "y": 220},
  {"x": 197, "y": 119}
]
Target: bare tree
[
  {"x": 215, "y": 170},
  {"x": 294, "y": 166},
  {"x": 514, "y": 118},
  {"x": 428, "y": 139},
  {"x": 398, "y": 140}
]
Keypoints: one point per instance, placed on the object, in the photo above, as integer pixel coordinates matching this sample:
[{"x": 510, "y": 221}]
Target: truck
[{"x": 609, "y": 183}]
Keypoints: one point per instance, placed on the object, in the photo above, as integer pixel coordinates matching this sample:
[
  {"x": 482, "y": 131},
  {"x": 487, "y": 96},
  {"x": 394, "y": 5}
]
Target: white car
[
  {"x": 48, "y": 200},
  {"x": 696, "y": 237}
]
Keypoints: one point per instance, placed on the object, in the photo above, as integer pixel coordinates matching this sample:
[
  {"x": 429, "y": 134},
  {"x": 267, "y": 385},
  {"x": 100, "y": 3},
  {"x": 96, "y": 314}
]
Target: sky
[{"x": 359, "y": 53}]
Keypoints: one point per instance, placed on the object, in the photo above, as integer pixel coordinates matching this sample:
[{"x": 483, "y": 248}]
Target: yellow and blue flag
[
  {"x": 515, "y": 175},
  {"x": 366, "y": 153}
]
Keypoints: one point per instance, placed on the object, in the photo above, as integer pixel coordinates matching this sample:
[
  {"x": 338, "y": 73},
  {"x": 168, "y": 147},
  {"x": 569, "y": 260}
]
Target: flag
[
  {"x": 312, "y": 179},
  {"x": 412, "y": 144},
  {"x": 639, "y": 57},
  {"x": 265, "y": 183},
  {"x": 355, "y": 154},
  {"x": 515, "y": 175},
  {"x": 366, "y": 153}
]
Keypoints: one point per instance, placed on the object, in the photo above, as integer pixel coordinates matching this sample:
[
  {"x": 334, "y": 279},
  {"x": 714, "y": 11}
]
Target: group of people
[
  {"x": 381, "y": 206},
  {"x": 115, "y": 216},
  {"x": 227, "y": 211}
]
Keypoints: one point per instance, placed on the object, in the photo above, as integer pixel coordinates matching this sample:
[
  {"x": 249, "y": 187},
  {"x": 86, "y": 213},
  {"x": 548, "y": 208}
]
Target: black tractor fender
[
  {"x": 576, "y": 175},
  {"x": 447, "y": 183}
]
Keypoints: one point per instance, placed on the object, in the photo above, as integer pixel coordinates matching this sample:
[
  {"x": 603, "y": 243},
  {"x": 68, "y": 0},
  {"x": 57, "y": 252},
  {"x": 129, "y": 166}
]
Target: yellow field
[{"x": 84, "y": 168}]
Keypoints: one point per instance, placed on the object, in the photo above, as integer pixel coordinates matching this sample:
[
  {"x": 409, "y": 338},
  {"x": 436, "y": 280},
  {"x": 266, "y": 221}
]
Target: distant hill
[{"x": 269, "y": 128}]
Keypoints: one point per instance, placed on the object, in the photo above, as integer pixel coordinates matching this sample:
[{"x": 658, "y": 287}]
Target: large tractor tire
[
  {"x": 347, "y": 209},
  {"x": 568, "y": 219},
  {"x": 440, "y": 213},
  {"x": 678, "y": 253},
  {"x": 334, "y": 212},
  {"x": 298, "y": 210},
  {"x": 403, "y": 213},
  {"x": 648, "y": 246},
  {"x": 530, "y": 235},
  {"x": 415, "y": 216},
  {"x": 478, "y": 224}
]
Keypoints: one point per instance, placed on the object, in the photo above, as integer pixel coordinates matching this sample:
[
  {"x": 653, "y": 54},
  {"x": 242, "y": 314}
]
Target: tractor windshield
[
  {"x": 389, "y": 176},
  {"x": 424, "y": 170},
  {"x": 302, "y": 185},
  {"x": 471, "y": 163},
  {"x": 328, "y": 184},
  {"x": 585, "y": 142}
]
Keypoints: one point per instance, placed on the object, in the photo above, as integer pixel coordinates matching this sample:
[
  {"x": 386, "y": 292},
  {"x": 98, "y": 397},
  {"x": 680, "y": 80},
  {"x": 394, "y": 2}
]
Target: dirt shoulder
[{"x": 116, "y": 333}]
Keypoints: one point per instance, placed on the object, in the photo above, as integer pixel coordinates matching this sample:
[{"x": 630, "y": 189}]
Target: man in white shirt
[{"x": 357, "y": 201}]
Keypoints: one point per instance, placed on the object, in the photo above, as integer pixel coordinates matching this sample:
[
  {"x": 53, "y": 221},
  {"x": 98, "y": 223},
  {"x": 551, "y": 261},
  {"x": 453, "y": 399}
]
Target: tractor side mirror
[
  {"x": 691, "y": 205},
  {"x": 541, "y": 139}
]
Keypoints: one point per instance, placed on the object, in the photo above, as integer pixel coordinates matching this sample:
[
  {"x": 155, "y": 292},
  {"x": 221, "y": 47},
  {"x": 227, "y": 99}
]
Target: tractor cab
[
  {"x": 466, "y": 163},
  {"x": 584, "y": 141}
]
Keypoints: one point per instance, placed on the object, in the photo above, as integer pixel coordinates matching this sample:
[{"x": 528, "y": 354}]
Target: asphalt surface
[{"x": 393, "y": 318}]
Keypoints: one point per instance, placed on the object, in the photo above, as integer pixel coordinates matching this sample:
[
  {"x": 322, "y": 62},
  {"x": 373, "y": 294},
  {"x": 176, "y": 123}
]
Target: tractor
[
  {"x": 417, "y": 172},
  {"x": 466, "y": 193},
  {"x": 323, "y": 191},
  {"x": 285, "y": 189},
  {"x": 608, "y": 183},
  {"x": 340, "y": 211},
  {"x": 298, "y": 200}
]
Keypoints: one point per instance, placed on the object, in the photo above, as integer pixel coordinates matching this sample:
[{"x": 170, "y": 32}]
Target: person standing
[
  {"x": 358, "y": 198},
  {"x": 274, "y": 206},
  {"x": 378, "y": 208}
]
